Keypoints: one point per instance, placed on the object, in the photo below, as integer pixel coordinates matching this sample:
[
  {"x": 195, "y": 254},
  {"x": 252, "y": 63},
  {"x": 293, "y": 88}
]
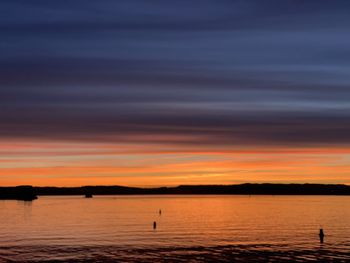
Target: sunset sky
[{"x": 160, "y": 93}]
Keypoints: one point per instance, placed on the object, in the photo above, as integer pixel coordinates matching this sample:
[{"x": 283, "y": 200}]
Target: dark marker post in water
[
  {"x": 154, "y": 225},
  {"x": 321, "y": 235}
]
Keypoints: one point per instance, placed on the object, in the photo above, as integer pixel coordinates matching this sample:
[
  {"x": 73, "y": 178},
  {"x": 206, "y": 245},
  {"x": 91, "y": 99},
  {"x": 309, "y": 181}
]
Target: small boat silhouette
[{"x": 88, "y": 195}]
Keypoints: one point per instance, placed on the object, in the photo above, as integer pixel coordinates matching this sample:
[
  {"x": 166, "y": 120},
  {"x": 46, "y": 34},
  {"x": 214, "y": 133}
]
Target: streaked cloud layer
[{"x": 193, "y": 81}]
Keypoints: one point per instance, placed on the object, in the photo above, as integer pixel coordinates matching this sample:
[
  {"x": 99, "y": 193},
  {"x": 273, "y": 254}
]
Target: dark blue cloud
[{"x": 239, "y": 72}]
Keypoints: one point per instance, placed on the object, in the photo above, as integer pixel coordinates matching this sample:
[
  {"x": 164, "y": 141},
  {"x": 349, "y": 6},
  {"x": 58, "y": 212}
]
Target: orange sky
[
  {"x": 48, "y": 163},
  {"x": 150, "y": 93}
]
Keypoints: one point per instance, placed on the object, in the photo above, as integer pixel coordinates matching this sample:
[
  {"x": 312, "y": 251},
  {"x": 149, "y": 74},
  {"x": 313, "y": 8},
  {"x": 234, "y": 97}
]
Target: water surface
[{"x": 190, "y": 228}]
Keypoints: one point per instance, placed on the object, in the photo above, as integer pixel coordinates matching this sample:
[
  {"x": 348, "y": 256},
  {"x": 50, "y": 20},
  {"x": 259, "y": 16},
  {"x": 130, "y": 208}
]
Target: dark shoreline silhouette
[
  {"x": 23, "y": 192},
  {"x": 30, "y": 193}
]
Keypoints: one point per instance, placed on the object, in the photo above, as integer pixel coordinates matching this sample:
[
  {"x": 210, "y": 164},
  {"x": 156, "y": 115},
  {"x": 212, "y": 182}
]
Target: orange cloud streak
[{"x": 47, "y": 163}]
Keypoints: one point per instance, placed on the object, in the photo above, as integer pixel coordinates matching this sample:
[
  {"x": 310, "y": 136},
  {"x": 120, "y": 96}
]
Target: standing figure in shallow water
[{"x": 321, "y": 235}]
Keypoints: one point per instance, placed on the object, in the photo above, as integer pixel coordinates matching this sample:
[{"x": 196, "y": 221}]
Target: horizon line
[{"x": 175, "y": 186}]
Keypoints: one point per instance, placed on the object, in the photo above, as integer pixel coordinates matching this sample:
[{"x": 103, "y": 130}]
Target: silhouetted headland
[
  {"x": 25, "y": 193},
  {"x": 29, "y": 193}
]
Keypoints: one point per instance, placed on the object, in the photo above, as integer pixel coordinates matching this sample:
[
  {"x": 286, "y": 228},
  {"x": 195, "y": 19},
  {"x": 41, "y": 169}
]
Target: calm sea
[{"x": 189, "y": 229}]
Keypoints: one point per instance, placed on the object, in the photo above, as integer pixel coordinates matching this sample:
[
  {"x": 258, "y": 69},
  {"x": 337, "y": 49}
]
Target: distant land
[
  {"x": 31, "y": 193},
  {"x": 23, "y": 192}
]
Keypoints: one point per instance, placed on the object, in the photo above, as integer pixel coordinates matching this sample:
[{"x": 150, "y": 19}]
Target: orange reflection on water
[{"x": 185, "y": 220}]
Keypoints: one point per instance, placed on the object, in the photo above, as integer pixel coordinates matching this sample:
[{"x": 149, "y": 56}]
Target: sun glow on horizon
[{"x": 48, "y": 163}]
